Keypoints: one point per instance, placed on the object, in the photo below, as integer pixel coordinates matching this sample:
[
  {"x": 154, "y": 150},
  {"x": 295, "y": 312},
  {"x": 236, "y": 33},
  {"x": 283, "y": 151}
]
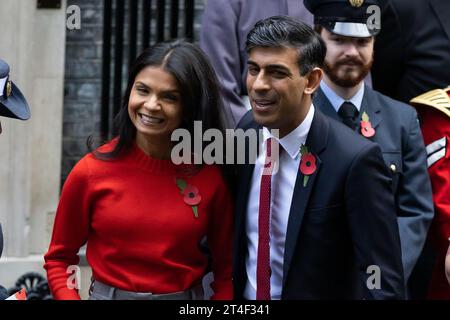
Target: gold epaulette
[{"x": 437, "y": 99}]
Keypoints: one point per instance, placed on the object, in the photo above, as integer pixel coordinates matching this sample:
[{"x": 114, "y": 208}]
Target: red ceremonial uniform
[{"x": 434, "y": 110}]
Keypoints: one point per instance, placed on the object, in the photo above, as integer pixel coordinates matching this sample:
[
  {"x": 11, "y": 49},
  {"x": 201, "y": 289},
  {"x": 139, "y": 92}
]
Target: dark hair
[
  {"x": 284, "y": 31},
  {"x": 318, "y": 28},
  {"x": 198, "y": 85}
]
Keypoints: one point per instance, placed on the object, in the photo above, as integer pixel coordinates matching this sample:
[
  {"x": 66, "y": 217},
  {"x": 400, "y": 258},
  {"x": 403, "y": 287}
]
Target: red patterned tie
[{"x": 263, "y": 262}]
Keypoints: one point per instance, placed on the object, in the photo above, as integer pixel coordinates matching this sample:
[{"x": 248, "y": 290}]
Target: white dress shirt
[
  {"x": 337, "y": 101},
  {"x": 282, "y": 189}
]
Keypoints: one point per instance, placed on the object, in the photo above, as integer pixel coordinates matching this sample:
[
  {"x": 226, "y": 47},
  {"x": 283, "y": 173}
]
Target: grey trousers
[{"x": 101, "y": 291}]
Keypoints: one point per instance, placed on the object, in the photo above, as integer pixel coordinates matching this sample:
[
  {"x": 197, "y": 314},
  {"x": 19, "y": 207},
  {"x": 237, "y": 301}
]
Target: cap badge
[
  {"x": 8, "y": 88},
  {"x": 356, "y": 3}
]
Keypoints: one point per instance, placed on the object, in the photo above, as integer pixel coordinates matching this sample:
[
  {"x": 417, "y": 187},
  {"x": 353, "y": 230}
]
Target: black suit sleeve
[
  {"x": 373, "y": 225},
  {"x": 388, "y": 54}
]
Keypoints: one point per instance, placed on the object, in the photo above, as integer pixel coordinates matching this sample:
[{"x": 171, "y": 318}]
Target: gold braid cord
[{"x": 438, "y": 99}]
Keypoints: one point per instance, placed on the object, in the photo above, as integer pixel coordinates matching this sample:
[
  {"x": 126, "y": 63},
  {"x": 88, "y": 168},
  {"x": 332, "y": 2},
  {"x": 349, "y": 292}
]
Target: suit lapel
[
  {"x": 316, "y": 142},
  {"x": 373, "y": 109},
  {"x": 442, "y": 8}
]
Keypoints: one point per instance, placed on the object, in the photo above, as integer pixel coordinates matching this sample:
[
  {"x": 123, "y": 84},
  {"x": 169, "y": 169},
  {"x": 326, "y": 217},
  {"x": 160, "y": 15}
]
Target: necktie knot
[
  {"x": 272, "y": 153},
  {"x": 349, "y": 114}
]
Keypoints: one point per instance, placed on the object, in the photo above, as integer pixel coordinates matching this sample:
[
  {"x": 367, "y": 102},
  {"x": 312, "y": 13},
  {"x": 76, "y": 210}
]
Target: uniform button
[{"x": 393, "y": 168}]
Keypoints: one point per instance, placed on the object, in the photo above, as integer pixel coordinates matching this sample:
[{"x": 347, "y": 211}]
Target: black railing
[
  {"x": 140, "y": 36},
  {"x": 118, "y": 54}
]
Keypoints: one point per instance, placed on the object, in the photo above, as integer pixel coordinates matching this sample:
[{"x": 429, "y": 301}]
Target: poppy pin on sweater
[
  {"x": 366, "y": 127},
  {"x": 191, "y": 195},
  {"x": 307, "y": 164}
]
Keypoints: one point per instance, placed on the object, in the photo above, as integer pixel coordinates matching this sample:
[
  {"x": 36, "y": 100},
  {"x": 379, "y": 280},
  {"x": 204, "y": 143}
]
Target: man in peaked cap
[
  {"x": 299, "y": 233},
  {"x": 434, "y": 111},
  {"x": 351, "y": 18},
  {"x": 12, "y": 105},
  {"x": 348, "y": 28},
  {"x": 12, "y": 101}
]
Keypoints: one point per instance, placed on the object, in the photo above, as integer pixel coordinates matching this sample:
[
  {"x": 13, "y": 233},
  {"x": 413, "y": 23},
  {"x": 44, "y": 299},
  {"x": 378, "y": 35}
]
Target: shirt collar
[
  {"x": 337, "y": 101},
  {"x": 294, "y": 139}
]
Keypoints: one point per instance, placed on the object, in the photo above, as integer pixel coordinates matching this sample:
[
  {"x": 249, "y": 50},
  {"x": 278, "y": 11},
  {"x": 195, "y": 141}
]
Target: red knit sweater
[{"x": 141, "y": 236}]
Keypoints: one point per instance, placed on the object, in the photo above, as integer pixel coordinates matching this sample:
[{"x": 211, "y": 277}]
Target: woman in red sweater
[{"x": 144, "y": 218}]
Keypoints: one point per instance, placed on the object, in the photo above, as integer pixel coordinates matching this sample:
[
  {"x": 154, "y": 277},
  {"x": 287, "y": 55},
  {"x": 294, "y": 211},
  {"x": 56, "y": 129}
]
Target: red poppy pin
[
  {"x": 366, "y": 127},
  {"x": 307, "y": 164},
  {"x": 191, "y": 195}
]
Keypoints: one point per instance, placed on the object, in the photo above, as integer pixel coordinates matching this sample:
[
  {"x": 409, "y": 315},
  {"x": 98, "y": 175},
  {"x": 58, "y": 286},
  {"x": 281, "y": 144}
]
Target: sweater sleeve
[
  {"x": 220, "y": 235},
  {"x": 70, "y": 232}
]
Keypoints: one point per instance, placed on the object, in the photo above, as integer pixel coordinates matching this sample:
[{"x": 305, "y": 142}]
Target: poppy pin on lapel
[
  {"x": 191, "y": 195},
  {"x": 366, "y": 127}
]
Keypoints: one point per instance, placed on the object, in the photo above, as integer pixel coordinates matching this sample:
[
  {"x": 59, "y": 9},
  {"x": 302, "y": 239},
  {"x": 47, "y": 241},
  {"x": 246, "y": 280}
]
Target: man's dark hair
[{"x": 284, "y": 31}]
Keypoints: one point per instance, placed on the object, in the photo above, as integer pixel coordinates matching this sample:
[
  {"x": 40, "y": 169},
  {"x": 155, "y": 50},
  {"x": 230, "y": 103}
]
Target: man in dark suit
[
  {"x": 322, "y": 226},
  {"x": 412, "y": 48},
  {"x": 392, "y": 124},
  {"x": 12, "y": 105}
]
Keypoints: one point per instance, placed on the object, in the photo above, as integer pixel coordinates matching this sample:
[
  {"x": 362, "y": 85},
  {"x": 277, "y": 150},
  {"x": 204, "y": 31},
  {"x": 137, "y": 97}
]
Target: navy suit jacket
[
  {"x": 412, "y": 50},
  {"x": 399, "y": 136},
  {"x": 341, "y": 223}
]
